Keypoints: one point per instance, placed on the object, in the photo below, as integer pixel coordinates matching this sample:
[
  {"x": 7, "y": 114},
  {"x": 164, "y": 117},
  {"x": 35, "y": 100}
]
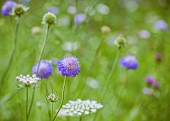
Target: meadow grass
[{"x": 101, "y": 77}]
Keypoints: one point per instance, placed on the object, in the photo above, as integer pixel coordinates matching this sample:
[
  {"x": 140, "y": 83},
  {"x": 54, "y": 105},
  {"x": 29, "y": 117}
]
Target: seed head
[
  {"x": 52, "y": 97},
  {"x": 49, "y": 18},
  {"x": 120, "y": 41},
  {"x": 19, "y": 10}
]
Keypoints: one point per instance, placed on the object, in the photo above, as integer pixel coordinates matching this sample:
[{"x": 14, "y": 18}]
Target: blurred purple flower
[
  {"x": 155, "y": 84},
  {"x": 158, "y": 57},
  {"x": 161, "y": 25},
  {"x": 79, "y": 18},
  {"x": 69, "y": 66},
  {"x": 149, "y": 80},
  {"x": 129, "y": 62},
  {"x": 45, "y": 69},
  {"x": 144, "y": 34},
  {"x": 147, "y": 91},
  {"x": 54, "y": 10},
  {"x": 7, "y": 7}
]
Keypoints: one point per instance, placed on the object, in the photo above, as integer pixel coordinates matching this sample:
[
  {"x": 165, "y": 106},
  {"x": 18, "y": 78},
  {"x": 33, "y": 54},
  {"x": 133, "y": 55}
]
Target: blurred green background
[{"x": 121, "y": 103}]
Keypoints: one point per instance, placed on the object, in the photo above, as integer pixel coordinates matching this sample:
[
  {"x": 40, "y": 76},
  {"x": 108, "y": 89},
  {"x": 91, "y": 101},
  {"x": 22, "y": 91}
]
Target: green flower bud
[
  {"x": 49, "y": 18},
  {"x": 19, "y": 10},
  {"x": 120, "y": 41},
  {"x": 105, "y": 29}
]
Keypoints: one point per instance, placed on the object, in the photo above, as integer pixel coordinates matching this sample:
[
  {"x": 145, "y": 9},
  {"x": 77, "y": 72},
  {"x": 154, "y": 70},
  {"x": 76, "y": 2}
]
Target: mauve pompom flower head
[
  {"x": 161, "y": 25},
  {"x": 149, "y": 80},
  {"x": 129, "y": 62},
  {"x": 69, "y": 66},
  {"x": 155, "y": 84},
  {"x": 45, "y": 69},
  {"x": 7, "y": 7},
  {"x": 79, "y": 18}
]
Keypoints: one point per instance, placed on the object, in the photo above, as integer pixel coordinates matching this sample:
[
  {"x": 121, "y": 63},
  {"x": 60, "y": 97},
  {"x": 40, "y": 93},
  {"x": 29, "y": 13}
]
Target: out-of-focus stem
[
  {"x": 11, "y": 56},
  {"x": 39, "y": 60}
]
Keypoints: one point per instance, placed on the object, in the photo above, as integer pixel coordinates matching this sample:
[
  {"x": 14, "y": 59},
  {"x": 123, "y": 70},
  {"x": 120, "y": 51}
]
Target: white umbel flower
[
  {"x": 80, "y": 107},
  {"x": 27, "y": 81}
]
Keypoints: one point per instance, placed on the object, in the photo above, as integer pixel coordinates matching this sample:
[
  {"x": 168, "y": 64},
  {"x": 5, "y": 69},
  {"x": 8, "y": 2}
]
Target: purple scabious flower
[
  {"x": 129, "y": 62},
  {"x": 45, "y": 69},
  {"x": 79, "y": 18},
  {"x": 149, "y": 80},
  {"x": 69, "y": 66},
  {"x": 161, "y": 25},
  {"x": 7, "y": 7}
]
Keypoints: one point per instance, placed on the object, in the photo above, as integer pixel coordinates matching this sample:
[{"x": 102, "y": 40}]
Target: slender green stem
[
  {"x": 106, "y": 86},
  {"x": 90, "y": 67},
  {"x": 11, "y": 56},
  {"x": 52, "y": 110},
  {"x": 80, "y": 119},
  {"x": 121, "y": 89},
  {"x": 62, "y": 101},
  {"x": 43, "y": 48},
  {"x": 40, "y": 57},
  {"x": 26, "y": 112}
]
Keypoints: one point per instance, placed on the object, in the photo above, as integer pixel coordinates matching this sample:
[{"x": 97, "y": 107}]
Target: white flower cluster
[
  {"x": 52, "y": 97},
  {"x": 27, "y": 81},
  {"x": 79, "y": 108}
]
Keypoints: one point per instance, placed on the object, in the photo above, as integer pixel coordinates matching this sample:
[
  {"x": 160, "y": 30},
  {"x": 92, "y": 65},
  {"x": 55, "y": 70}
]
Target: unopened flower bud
[
  {"x": 36, "y": 30},
  {"x": 120, "y": 41},
  {"x": 105, "y": 29},
  {"x": 19, "y": 10},
  {"x": 49, "y": 18}
]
